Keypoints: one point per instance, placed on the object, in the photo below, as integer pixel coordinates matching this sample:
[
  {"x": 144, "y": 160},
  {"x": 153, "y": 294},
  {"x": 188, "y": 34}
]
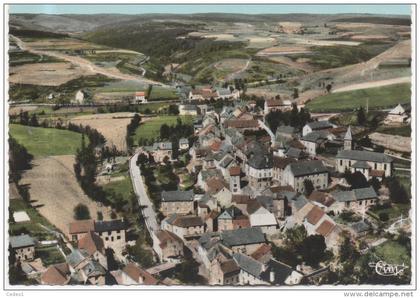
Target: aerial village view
[{"x": 208, "y": 148}]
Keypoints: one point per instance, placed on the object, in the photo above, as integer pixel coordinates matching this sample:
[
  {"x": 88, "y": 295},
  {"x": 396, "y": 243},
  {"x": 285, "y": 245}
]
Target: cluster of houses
[
  {"x": 254, "y": 185},
  {"x": 92, "y": 245}
]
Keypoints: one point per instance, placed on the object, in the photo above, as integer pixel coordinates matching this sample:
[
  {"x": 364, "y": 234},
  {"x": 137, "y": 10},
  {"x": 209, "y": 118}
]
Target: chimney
[{"x": 272, "y": 276}]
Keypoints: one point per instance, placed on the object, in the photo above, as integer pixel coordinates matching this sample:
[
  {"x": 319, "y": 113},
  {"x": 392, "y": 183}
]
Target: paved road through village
[{"x": 147, "y": 210}]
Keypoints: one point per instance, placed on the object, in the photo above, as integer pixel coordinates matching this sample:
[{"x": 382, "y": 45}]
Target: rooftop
[
  {"x": 177, "y": 196},
  {"x": 307, "y": 167},
  {"x": 110, "y": 225},
  {"x": 364, "y": 156},
  {"x": 242, "y": 236},
  {"x": 21, "y": 241}
]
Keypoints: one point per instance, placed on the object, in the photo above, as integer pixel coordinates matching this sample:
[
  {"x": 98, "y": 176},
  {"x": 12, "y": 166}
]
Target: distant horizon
[{"x": 181, "y": 9}]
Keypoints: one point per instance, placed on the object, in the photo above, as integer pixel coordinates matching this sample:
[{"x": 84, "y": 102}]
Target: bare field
[
  {"x": 300, "y": 63},
  {"x": 17, "y": 110},
  {"x": 59, "y": 44},
  {"x": 55, "y": 191},
  {"x": 112, "y": 126},
  {"x": 45, "y": 74},
  {"x": 393, "y": 142}
]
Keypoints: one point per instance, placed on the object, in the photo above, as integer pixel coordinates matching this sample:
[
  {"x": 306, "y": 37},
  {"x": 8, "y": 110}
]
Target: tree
[
  {"x": 328, "y": 88},
  {"x": 356, "y": 179},
  {"x": 142, "y": 159},
  {"x": 141, "y": 255},
  {"x": 374, "y": 182},
  {"x": 309, "y": 186},
  {"x": 188, "y": 271},
  {"x": 361, "y": 116},
  {"x": 34, "y": 120},
  {"x": 19, "y": 159},
  {"x": 164, "y": 131},
  {"x": 81, "y": 212},
  {"x": 348, "y": 253},
  {"x": 295, "y": 93},
  {"x": 295, "y": 236},
  {"x": 397, "y": 192},
  {"x": 313, "y": 249},
  {"x": 173, "y": 110}
]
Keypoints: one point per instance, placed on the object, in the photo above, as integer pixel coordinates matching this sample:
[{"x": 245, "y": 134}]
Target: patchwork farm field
[
  {"x": 42, "y": 142},
  {"x": 381, "y": 97},
  {"x": 150, "y": 129}
]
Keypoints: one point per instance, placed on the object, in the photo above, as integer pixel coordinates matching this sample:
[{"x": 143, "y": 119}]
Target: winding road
[{"x": 85, "y": 64}]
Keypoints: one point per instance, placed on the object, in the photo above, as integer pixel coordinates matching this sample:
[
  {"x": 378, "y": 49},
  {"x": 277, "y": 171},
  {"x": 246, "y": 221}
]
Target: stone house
[
  {"x": 177, "y": 201},
  {"x": 262, "y": 218},
  {"x": 183, "y": 226},
  {"x": 279, "y": 164},
  {"x": 219, "y": 189},
  {"x": 259, "y": 170},
  {"x": 226, "y": 218},
  {"x": 316, "y": 126},
  {"x": 56, "y": 275},
  {"x": 245, "y": 240},
  {"x": 357, "y": 200},
  {"x": 23, "y": 247},
  {"x": 235, "y": 179},
  {"x": 79, "y": 229},
  {"x": 169, "y": 247},
  {"x": 112, "y": 233},
  {"x": 160, "y": 151},
  {"x": 296, "y": 173},
  {"x": 85, "y": 268},
  {"x": 132, "y": 274},
  {"x": 272, "y": 105},
  {"x": 397, "y": 115}
]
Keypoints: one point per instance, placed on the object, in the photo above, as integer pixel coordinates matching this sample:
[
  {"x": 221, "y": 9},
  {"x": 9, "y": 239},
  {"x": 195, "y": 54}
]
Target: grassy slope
[
  {"x": 43, "y": 142},
  {"x": 33, "y": 226},
  {"x": 151, "y": 129},
  {"x": 381, "y": 97}
]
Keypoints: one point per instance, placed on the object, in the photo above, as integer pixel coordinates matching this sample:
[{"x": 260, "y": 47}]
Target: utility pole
[{"x": 367, "y": 105}]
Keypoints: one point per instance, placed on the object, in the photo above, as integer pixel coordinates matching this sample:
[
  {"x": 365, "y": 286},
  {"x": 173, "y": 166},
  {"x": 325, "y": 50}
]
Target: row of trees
[
  {"x": 131, "y": 129},
  {"x": 296, "y": 118}
]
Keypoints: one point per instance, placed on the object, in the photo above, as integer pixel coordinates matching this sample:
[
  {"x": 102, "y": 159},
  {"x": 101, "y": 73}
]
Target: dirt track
[{"x": 54, "y": 189}]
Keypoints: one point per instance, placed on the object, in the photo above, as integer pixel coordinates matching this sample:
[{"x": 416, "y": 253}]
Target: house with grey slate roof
[
  {"x": 296, "y": 173},
  {"x": 370, "y": 164},
  {"x": 177, "y": 202},
  {"x": 23, "y": 246},
  {"x": 259, "y": 167},
  {"x": 317, "y": 126},
  {"x": 245, "y": 240},
  {"x": 357, "y": 200},
  {"x": 159, "y": 151},
  {"x": 253, "y": 272}
]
